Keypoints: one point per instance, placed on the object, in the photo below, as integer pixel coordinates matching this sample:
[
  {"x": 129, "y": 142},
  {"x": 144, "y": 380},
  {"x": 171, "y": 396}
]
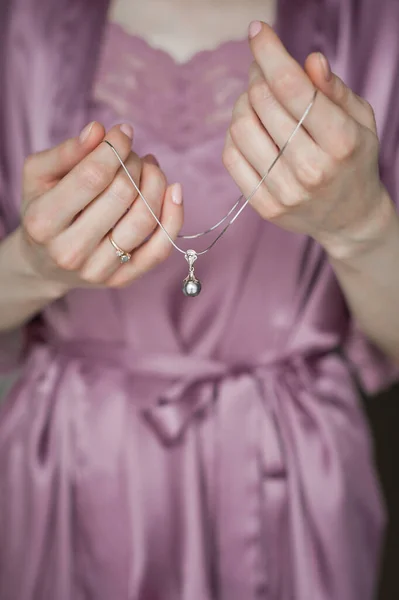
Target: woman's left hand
[{"x": 327, "y": 183}]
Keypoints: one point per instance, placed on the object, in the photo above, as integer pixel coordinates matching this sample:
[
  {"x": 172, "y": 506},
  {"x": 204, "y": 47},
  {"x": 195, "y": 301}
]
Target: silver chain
[{"x": 197, "y": 235}]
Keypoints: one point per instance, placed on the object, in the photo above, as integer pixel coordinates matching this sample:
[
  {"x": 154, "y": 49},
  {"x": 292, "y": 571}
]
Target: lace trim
[{"x": 177, "y": 101}]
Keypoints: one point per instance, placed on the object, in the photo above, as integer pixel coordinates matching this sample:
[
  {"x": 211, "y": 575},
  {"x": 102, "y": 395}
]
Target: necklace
[{"x": 191, "y": 284}]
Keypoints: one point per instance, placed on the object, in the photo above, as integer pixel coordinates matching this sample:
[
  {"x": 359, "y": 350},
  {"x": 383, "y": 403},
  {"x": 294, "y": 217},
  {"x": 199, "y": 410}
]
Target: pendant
[{"x": 191, "y": 285}]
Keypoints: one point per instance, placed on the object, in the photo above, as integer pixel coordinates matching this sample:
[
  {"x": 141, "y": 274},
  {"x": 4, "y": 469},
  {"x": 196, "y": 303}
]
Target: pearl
[{"x": 191, "y": 287}]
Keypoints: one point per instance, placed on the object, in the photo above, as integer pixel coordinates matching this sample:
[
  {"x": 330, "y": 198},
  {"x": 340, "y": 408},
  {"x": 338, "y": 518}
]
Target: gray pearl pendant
[{"x": 191, "y": 285}]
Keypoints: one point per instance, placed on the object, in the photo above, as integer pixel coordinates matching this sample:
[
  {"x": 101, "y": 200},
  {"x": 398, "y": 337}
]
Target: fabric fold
[{"x": 319, "y": 455}]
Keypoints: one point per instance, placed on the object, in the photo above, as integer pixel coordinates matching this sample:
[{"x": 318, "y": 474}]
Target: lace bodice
[{"x": 177, "y": 102}]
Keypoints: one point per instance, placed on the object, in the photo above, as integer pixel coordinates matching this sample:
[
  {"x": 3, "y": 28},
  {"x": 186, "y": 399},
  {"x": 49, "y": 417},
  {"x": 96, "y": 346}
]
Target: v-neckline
[{"x": 222, "y": 48}]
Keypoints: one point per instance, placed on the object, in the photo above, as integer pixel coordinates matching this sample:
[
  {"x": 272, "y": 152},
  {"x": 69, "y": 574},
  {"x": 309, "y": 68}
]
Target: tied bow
[
  {"x": 173, "y": 405},
  {"x": 193, "y": 391}
]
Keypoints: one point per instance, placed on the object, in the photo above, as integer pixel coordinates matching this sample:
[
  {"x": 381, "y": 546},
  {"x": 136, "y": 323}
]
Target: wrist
[
  {"x": 22, "y": 267},
  {"x": 379, "y": 229}
]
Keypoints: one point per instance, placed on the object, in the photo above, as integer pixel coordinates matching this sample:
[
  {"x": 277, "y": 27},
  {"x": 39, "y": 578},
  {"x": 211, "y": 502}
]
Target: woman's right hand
[{"x": 76, "y": 193}]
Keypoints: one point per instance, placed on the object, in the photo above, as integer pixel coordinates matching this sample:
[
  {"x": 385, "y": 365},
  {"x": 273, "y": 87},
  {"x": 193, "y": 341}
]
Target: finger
[
  {"x": 46, "y": 167},
  {"x": 248, "y": 179},
  {"x": 150, "y": 158},
  {"x": 328, "y": 124},
  {"x": 133, "y": 228},
  {"x": 158, "y": 247},
  {"x": 72, "y": 248},
  {"x": 318, "y": 68},
  {"x": 259, "y": 150},
  {"x": 139, "y": 223},
  {"x": 302, "y": 153},
  {"x": 56, "y": 209}
]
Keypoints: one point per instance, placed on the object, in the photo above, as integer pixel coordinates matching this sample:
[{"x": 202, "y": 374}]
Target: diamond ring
[{"x": 123, "y": 256}]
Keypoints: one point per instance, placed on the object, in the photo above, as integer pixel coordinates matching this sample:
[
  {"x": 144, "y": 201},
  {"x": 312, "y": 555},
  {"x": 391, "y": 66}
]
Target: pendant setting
[{"x": 191, "y": 285}]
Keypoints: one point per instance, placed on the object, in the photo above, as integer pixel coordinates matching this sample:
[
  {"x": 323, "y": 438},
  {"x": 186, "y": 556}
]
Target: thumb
[
  {"x": 45, "y": 168},
  {"x": 318, "y": 68}
]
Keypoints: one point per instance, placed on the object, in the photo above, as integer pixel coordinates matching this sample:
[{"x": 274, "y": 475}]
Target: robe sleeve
[
  {"x": 47, "y": 63},
  {"x": 10, "y": 341},
  {"x": 380, "y": 86}
]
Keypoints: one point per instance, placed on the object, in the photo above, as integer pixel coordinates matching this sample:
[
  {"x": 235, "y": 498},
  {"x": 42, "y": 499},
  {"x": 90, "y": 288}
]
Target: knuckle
[
  {"x": 230, "y": 157},
  {"x": 154, "y": 187},
  {"x": 347, "y": 142},
  {"x": 162, "y": 254},
  {"x": 239, "y": 127},
  {"x": 92, "y": 277},
  {"x": 122, "y": 190},
  {"x": 275, "y": 211},
  {"x": 296, "y": 200},
  {"x": 144, "y": 222},
  {"x": 93, "y": 176},
  {"x": 260, "y": 93},
  {"x": 38, "y": 228},
  {"x": 287, "y": 84},
  {"x": 66, "y": 259},
  {"x": 309, "y": 174}
]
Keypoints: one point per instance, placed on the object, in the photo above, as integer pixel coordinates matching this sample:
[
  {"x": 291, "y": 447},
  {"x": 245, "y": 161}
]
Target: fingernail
[
  {"x": 86, "y": 132},
  {"x": 152, "y": 159},
  {"x": 127, "y": 130},
  {"x": 177, "y": 193},
  {"x": 325, "y": 66},
  {"x": 254, "y": 28}
]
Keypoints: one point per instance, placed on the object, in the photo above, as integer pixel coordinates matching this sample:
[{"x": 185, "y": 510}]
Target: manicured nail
[
  {"x": 177, "y": 193},
  {"x": 127, "y": 130},
  {"x": 254, "y": 28},
  {"x": 86, "y": 132},
  {"x": 325, "y": 66}
]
